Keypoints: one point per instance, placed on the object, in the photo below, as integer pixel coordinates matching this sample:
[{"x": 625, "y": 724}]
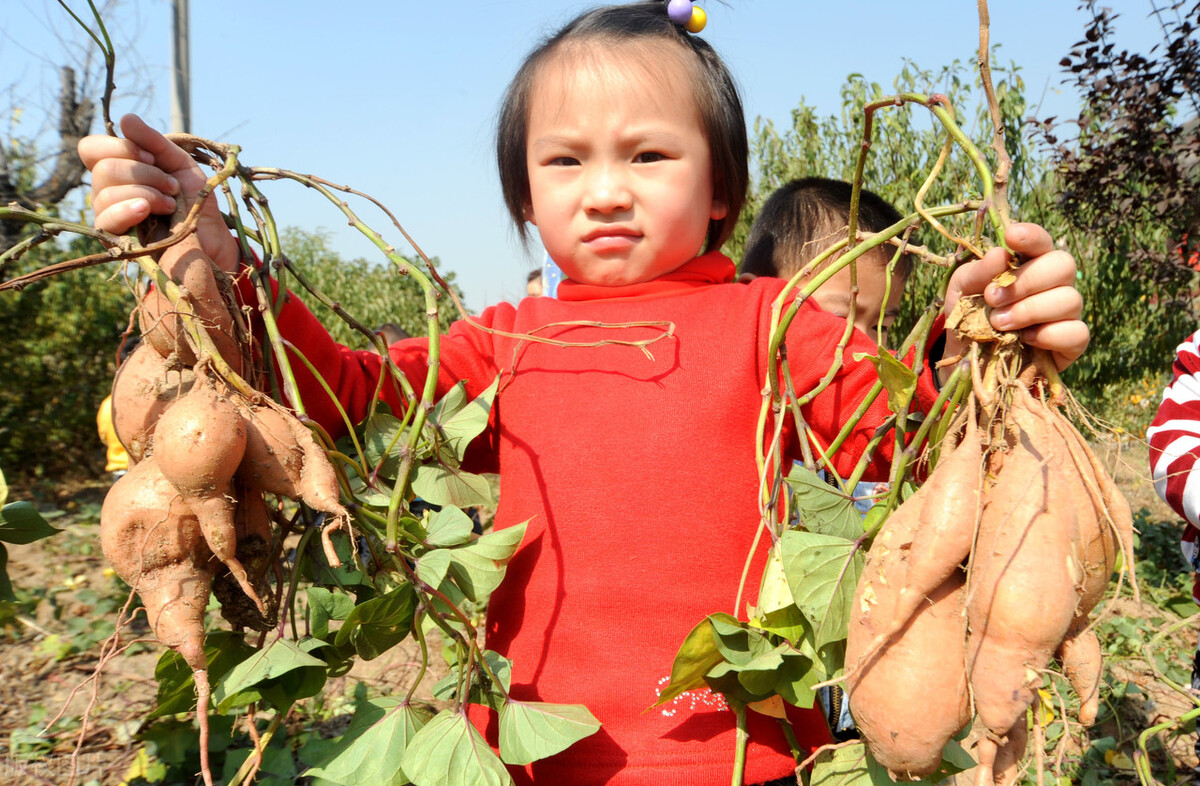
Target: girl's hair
[
  {"x": 716, "y": 95},
  {"x": 806, "y": 216}
]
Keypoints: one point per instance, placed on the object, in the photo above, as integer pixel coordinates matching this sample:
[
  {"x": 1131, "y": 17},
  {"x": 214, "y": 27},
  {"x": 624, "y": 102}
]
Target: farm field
[{"x": 69, "y": 599}]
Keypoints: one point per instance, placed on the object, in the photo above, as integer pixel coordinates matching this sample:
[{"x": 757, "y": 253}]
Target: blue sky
[{"x": 397, "y": 98}]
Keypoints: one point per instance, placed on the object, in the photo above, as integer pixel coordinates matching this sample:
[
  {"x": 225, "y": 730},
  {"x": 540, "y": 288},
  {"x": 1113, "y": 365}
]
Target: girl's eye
[
  {"x": 564, "y": 161},
  {"x": 649, "y": 157}
]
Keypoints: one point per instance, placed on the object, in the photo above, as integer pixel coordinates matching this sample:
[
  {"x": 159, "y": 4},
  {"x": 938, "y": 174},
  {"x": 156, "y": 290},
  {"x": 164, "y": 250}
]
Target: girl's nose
[{"x": 607, "y": 191}]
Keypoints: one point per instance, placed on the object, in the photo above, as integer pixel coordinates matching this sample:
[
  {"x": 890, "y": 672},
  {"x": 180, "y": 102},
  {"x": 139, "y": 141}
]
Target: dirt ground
[{"x": 47, "y": 658}]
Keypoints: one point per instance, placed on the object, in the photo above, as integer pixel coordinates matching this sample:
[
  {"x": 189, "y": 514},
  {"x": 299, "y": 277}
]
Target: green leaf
[
  {"x": 955, "y": 759},
  {"x": 381, "y": 434},
  {"x": 460, "y": 424},
  {"x": 281, "y": 673},
  {"x": 448, "y": 751},
  {"x": 369, "y": 752},
  {"x": 776, "y": 611},
  {"x": 742, "y": 645},
  {"x": 223, "y": 650},
  {"x": 432, "y": 566},
  {"x": 479, "y": 568},
  {"x": 875, "y": 517},
  {"x": 446, "y": 688},
  {"x": 444, "y": 485},
  {"x": 795, "y": 679},
  {"x": 454, "y": 400},
  {"x": 348, "y": 575},
  {"x": 20, "y": 523},
  {"x": 822, "y": 508},
  {"x": 899, "y": 380},
  {"x": 323, "y": 606},
  {"x": 371, "y": 497},
  {"x": 532, "y": 730},
  {"x": 823, "y": 573},
  {"x": 696, "y": 657},
  {"x": 449, "y": 527},
  {"x": 277, "y": 768},
  {"x": 378, "y": 624},
  {"x": 850, "y": 766},
  {"x": 6, "y": 588}
]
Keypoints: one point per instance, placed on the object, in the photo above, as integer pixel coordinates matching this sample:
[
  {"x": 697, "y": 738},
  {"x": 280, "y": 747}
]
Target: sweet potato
[
  {"x": 283, "y": 458},
  {"x": 873, "y": 613},
  {"x": 187, "y": 265},
  {"x": 1025, "y": 571},
  {"x": 946, "y": 528},
  {"x": 909, "y": 698},
  {"x": 145, "y": 385},
  {"x": 921, "y": 544},
  {"x": 198, "y": 444},
  {"x": 1082, "y": 664},
  {"x": 256, "y": 552},
  {"x": 154, "y": 542},
  {"x": 1105, "y": 526},
  {"x": 999, "y": 762}
]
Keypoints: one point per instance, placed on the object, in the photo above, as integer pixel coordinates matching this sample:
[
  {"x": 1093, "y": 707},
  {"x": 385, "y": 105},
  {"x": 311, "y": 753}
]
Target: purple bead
[{"x": 680, "y": 11}]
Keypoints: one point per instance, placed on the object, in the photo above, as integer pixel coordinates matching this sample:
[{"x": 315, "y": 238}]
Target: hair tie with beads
[{"x": 687, "y": 15}]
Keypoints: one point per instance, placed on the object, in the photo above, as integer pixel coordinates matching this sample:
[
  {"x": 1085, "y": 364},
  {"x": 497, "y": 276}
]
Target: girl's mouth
[{"x": 611, "y": 240}]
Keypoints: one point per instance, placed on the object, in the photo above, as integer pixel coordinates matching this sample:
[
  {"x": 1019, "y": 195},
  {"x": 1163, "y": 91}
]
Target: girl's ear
[
  {"x": 719, "y": 209},
  {"x": 527, "y": 213}
]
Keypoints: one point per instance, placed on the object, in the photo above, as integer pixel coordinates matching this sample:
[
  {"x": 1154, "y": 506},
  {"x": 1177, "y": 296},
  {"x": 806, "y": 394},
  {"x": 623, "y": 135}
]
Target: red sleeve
[{"x": 352, "y": 376}]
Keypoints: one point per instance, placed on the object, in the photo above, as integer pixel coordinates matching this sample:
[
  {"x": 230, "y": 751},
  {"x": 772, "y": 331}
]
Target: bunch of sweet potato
[
  {"x": 190, "y": 518},
  {"x": 976, "y": 582}
]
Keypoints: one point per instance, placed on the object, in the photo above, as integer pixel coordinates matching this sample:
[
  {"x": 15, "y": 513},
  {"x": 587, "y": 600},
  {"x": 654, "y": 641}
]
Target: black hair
[
  {"x": 806, "y": 216},
  {"x": 717, "y": 99},
  {"x": 127, "y": 345},
  {"x": 391, "y": 333},
  {"x": 534, "y": 275}
]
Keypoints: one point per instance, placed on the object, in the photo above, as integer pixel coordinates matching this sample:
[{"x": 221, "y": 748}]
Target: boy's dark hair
[
  {"x": 534, "y": 275},
  {"x": 391, "y": 333},
  {"x": 717, "y": 98},
  {"x": 804, "y": 217},
  {"x": 127, "y": 345}
]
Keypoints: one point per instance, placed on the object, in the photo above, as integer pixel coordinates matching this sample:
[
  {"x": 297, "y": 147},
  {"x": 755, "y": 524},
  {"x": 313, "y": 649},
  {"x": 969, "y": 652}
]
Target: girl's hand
[
  {"x": 143, "y": 175},
  {"x": 1042, "y": 303}
]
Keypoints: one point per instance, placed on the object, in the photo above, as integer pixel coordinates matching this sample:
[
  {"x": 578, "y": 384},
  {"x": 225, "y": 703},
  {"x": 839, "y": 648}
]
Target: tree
[
  {"x": 1129, "y": 187},
  {"x": 370, "y": 292},
  {"x": 20, "y": 179},
  {"x": 904, "y": 150}
]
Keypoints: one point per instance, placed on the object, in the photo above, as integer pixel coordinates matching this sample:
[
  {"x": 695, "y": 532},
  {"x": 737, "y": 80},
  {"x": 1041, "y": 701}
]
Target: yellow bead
[{"x": 698, "y": 21}]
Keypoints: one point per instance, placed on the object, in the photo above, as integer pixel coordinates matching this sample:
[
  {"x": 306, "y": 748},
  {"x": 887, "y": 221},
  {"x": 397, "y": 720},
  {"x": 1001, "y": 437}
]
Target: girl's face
[{"x": 620, "y": 174}]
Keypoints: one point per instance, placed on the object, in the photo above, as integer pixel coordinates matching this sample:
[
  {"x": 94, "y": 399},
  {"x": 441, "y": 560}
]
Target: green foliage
[
  {"x": 20, "y": 523},
  {"x": 905, "y": 145},
  {"x": 60, "y": 339},
  {"x": 370, "y": 292},
  {"x": 1136, "y": 320}
]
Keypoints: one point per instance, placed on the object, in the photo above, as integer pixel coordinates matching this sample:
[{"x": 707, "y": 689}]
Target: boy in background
[
  {"x": 797, "y": 224},
  {"x": 801, "y": 220}
]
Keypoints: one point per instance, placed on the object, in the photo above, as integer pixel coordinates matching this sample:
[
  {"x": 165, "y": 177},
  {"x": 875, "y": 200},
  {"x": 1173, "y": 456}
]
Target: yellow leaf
[
  {"x": 1046, "y": 704},
  {"x": 772, "y": 707},
  {"x": 1118, "y": 760}
]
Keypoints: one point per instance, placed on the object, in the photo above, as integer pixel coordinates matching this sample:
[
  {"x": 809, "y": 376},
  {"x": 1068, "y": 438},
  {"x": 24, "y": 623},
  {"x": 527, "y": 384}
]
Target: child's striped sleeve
[{"x": 1174, "y": 439}]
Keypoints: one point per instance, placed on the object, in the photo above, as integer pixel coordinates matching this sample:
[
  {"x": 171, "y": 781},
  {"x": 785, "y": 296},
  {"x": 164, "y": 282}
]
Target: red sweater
[{"x": 638, "y": 477}]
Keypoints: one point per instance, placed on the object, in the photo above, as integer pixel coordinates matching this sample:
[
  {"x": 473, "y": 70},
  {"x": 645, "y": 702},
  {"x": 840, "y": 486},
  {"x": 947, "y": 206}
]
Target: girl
[{"x": 621, "y": 139}]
